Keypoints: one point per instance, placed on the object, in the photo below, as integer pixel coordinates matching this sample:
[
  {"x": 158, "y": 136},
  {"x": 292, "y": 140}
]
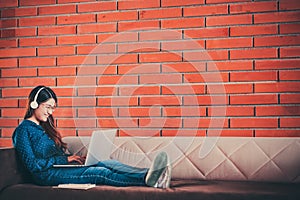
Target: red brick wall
[{"x": 154, "y": 67}]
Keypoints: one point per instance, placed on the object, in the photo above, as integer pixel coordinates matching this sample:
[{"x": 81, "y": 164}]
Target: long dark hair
[{"x": 49, "y": 126}]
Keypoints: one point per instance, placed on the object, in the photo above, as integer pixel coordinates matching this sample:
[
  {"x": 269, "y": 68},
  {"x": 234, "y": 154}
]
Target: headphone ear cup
[{"x": 34, "y": 105}]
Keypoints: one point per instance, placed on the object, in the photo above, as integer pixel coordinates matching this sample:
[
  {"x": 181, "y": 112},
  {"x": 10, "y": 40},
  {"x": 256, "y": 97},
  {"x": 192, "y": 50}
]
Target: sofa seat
[{"x": 181, "y": 189}]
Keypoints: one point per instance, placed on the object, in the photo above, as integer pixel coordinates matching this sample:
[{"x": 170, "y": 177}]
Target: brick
[
  {"x": 117, "y": 80},
  {"x": 182, "y": 132},
  {"x": 8, "y": 23},
  {"x": 253, "y": 76},
  {"x": 7, "y": 4},
  {"x": 117, "y": 16},
  {"x": 166, "y": 3},
  {"x": 252, "y": 99},
  {"x": 230, "y": 65},
  {"x": 205, "y": 10},
  {"x": 183, "y": 45},
  {"x": 12, "y": 112},
  {"x": 57, "y": 9},
  {"x": 160, "y": 35},
  {"x": 139, "y": 112},
  {"x": 6, "y": 142},
  {"x": 253, "y": 7},
  {"x": 18, "y": 12},
  {"x": 118, "y": 37},
  {"x": 76, "y": 123},
  {"x": 277, "y": 133},
  {"x": 96, "y": 28},
  {"x": 72, "y": 1},
  {"x": 183, "y": 67},
  {"x": 160, "y": 100},
  {"x": 160, "y": 122},
  {"x": 15, "y": 92},
  {"x": 117, "y": 123},
  {"x": 7, "y": 132},
  {"x": 4, "y": 122},
  {"x": 277, "y": 87},
  {"x": 97, "y": 6},
  {"x": 253, "y": 30},
  {"x": 8, "y": 43},
  {"x": 18, "y": 72},
  {"x": 229, "y": 88},
  {"x": 134, "y": 4},
  {"x": 97, "y": 91},
  {"x": 161, "y": 79},
  {"x": 139, "y": 47},
  {"x": 289, "y": 98},
  {"x": 57, "y": 50},
  {"x": 230, "y": 133},
  {"x": 63, "y": 92},
  {"x": 229, "y": 43},
  {"x": 207, "y": 77},
  {"x": 8, "y": 63},
  {"x": 253, "y": 123},
  {"x": 289, "y": 28},
  {"x": 57, "y": 71},
  {"x": 47, "y": 41},
  {"x": 277, "y": 41},
  {"x": 276, "y": 17},
  {"x": 290, "y": 52},
  {"x": 64, "y": 112},
  {"x": 289, "y": 75},
  {"x": 8, "y": 82},
  {"x": 35, "y": 2},
  {"x": 117, "y": 101},
  {"x": 78, "y": 39},
  {"x": 17, "y": 52},
  {"x": 184, "y": 89},
  {"x": 75, "y": 80},
  {"x": 37, "y": 21},
  {"x": 277, "y": 110},
  {"x": 182, "y": 23},
  {"x": 77, "y": 101},
  {"x": 139, "y": 90},
  {"x": 96, "y": 49},
  {"x": 253, "y": 53},
  {"x": 76, "y": 19},
  {"x": 76, "y": 60},
  {"x": 290, "y": 122},
  {"x": 289, "y": 5},
  {"x": 231, "y": 111},
  {"x": 139, "y": 69},
  {"x": 205, "y": 100},
  {"x": 57, "y": 30},
  {"x": 205, "y": 55},
  {"x": 36, "y": 62},
  {"x": 138, "y": 25},
  {"x": 160, "y": 13},
  {"x": 17, "y": 32},
  {"x": 117, "y": 59},
  {"x": 93, "y": 70},
  {"x": 97, "y": 112},
  {"x": 205, "y": 123},
  {"x": 228, "y": 20},
  {"x": 23, "y": 82},
  {"x": 159, "y": 57},
  {"x": 206, "y": 33},
  {"x": 191, "y": 111},
  {"x": 276, "y": 64}
]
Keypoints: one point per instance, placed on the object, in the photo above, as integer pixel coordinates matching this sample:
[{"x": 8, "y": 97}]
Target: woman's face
[{"x": 44, "y": 110}]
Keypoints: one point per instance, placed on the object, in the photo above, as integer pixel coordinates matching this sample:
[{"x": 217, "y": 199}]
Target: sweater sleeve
[{"x": 32, "y": 162}]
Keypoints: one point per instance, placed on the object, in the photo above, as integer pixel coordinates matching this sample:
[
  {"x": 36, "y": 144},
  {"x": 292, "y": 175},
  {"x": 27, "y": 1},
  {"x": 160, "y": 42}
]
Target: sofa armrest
[{"x": 11, "y": 170}]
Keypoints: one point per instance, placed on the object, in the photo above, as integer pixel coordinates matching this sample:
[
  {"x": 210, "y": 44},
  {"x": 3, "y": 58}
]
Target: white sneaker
[
  {"x": 165, "y": 178},
  {"x": 157, "y": 168}
]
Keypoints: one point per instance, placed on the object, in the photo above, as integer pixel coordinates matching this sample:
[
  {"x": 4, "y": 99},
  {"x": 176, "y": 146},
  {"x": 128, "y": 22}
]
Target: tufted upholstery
[{"x": 210, "y": 158}]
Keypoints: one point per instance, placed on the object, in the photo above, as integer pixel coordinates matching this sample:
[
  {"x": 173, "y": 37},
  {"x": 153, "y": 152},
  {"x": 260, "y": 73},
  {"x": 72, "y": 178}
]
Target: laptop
[{"x": 100, "y": 148}]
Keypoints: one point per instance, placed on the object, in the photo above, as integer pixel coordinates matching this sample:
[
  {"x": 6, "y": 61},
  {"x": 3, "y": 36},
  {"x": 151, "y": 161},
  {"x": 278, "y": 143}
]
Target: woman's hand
[{"x": 77, "y": 159}]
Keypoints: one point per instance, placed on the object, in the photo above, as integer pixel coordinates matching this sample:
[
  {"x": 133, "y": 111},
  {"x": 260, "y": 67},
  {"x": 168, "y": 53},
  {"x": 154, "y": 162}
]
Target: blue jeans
[{"x": 109, "y": 172}]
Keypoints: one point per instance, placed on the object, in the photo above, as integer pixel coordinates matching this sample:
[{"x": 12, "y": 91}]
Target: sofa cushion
[
  {"x": 211, "y": 158},
  {"x": 181, "y": 189}
]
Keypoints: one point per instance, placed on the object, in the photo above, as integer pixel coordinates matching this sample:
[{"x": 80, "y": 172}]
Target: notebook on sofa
[{"x": 100, "y": 147}]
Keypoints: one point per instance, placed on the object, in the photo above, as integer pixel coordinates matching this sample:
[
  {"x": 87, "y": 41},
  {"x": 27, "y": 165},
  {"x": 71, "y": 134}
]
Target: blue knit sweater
[{"x": 37, "y": 151}]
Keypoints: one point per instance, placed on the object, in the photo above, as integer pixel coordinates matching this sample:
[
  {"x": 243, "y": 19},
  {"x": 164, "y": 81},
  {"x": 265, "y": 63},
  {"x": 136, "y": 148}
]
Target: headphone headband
[{"x": 34, "y": 104}]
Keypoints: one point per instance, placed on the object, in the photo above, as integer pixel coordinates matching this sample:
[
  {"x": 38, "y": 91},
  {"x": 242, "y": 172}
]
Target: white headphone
[{"x": 34, "y": 104}]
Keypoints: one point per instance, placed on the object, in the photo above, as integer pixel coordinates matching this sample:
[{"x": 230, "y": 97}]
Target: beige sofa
[{"x": 203, "y": 168}]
